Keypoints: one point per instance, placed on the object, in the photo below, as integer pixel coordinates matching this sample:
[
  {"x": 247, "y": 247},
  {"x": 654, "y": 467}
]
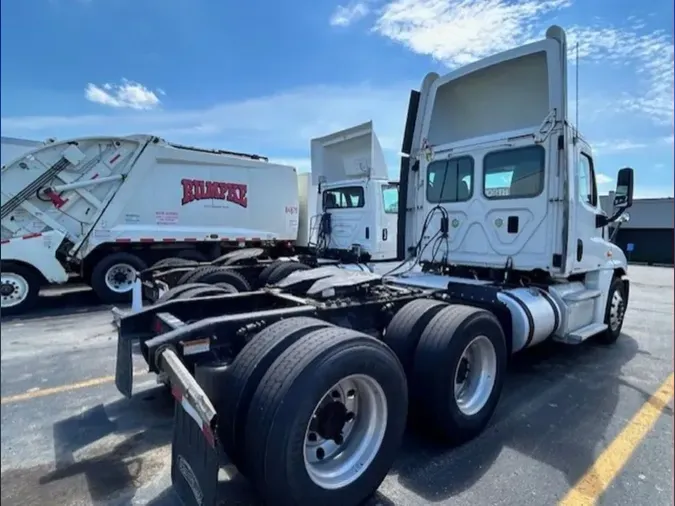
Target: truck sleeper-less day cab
[
  {"x": 104, "y": 208},
  {"x": 305, "y": 385}
]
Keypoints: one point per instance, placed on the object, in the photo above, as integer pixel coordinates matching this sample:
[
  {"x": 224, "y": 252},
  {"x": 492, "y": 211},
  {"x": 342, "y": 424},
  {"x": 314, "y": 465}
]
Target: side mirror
[{"x": 623, "y": 197}]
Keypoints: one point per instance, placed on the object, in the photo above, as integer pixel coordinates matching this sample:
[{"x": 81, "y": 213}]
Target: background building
[{"x": 648, "y": 236}]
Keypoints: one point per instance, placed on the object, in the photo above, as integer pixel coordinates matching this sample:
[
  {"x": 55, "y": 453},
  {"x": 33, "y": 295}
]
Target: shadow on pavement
[
  {"x": 104, "y": 454},
  {"x": 71, "y": 301},
  {"x": 556, "y": 406}
]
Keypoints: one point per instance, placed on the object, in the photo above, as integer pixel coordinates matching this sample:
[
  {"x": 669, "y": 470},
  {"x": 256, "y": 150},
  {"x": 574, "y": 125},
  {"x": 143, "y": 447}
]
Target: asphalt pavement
[{"x": 575, "y": 424}]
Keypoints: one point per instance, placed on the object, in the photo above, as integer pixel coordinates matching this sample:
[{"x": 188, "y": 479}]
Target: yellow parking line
[
  {"x": 44, "y": 392},
  {"x": 608, "y": 465}
]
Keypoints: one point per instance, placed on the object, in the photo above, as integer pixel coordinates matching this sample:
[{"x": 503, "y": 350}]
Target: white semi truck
[
  {"x": 306, "y": 384},
  {"x": 107, "y": 207}
]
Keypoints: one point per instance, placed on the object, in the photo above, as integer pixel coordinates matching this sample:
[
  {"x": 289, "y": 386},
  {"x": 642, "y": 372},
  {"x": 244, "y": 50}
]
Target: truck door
[
  {"x": 589, "y": 249},
  {"x": 387, "y": 217},
  {"x": 349, "y": 210}
]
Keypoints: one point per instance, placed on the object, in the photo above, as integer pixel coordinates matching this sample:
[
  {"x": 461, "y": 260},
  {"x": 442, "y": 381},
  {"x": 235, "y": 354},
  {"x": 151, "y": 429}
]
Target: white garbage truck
[
  {"x": 306, "y": 384},
  {"x": 13, "y": 147},
  {"x": 107, "y": 207}
]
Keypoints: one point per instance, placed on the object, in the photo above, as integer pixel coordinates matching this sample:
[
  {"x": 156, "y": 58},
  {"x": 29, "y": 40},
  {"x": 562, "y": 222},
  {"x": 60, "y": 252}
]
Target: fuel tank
[{"x": 535, "y": 315}]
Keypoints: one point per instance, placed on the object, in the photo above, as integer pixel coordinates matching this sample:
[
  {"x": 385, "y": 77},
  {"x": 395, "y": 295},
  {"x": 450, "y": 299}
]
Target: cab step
[{"x": 580, "y": 335}]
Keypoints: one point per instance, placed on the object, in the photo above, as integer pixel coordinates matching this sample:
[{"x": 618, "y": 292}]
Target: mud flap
[
  {"x": 194, "y": 463},
  {"x": 124, "y": 367}
]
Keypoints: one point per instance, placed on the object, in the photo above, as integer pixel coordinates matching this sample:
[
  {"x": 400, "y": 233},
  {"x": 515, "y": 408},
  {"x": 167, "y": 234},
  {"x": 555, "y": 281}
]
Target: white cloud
[
  {"x": 302, "y": 164},
  {"x": 128, "y": 94},
  {"x": 648, "y": 54},
  {"x": 459, "y": 32},
  {"x": 278, "y": 125},
  {"x": 616, "y": 146},
  {"x": 603, "y": 179},
  {"x": 345, "y": 15}
]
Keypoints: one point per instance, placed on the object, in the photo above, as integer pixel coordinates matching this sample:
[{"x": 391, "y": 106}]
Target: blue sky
[{"x": 267, "y": 76}]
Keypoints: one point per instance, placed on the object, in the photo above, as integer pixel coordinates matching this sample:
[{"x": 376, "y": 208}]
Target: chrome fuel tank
[{"x": 535, "y": 315}]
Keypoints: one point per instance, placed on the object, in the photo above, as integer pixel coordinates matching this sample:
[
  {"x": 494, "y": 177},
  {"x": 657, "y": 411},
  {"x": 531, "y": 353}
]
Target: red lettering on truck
[{"x": 197, "y": 189}]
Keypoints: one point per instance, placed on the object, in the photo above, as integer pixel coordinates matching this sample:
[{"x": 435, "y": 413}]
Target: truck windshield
[{"x": 347, "y": 197}]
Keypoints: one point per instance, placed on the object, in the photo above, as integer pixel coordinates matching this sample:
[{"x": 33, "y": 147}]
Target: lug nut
[{"x": 320, "y": 454}]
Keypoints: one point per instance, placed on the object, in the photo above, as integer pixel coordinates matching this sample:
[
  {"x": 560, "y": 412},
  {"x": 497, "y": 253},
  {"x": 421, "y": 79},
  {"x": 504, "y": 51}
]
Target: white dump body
[
  {"x": 13, "y": 147},
  {"x": 143, "y": 189}
]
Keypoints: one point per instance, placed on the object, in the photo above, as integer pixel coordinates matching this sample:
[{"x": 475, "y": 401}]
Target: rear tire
[
  {"x": 406, "y": 327},
  {"x": 19, "y": 287},
  {"x": 227, "y": 287},
  {"x": 192, "y": 255},
  {"x": 233, "y": 257},
  {"x": 265, "y": 273},
  {"x": 458, "y": 372},
  {"x": 202, "y": 291},
  {"x": 173, "y": 262},
  {"x": 177, "y": 291},
  {"x": 284, "y": 459},
  {"x": 245, "y": 374},
  {"x": 113, "y": 276},
  {"x": 187, "y": 276},
  {"x": 284, "y": 270},
  {"x": 213, "y": 275}
]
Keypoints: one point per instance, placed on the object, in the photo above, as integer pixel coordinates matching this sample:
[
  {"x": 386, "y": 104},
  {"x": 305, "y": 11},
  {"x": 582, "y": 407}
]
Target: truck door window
[
  {"x": 453, "y": 177},
  {"x": 514, "y": 173},
  {"x": 588, "y": 191},
  {"x": 390, "y": 198},
  {"x": 347, "y": 197}
]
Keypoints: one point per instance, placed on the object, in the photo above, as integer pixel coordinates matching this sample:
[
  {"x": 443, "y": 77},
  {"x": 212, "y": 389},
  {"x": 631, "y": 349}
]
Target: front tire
[
  {"x": 302, "y": 417},
  {"x": 113, "y": 277},
  {"x": 20, "y": 289},
  {"x": 615, "y": 312}
]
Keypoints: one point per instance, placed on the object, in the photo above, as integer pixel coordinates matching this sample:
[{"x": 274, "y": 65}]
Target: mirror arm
[{"x": 602, "y": 221}]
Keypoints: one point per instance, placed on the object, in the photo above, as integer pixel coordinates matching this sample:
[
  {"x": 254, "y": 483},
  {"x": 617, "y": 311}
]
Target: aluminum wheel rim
[
  {"x": 120, "y": 278},
  {"x": 14, "y": 289},
  {"x": 475, "y": 375},
  {"x": 332, "y": 465},
  {"x": 616, "y": 312}
]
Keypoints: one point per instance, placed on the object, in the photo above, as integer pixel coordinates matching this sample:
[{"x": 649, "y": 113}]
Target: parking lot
[{"x": 576, "y": 425}]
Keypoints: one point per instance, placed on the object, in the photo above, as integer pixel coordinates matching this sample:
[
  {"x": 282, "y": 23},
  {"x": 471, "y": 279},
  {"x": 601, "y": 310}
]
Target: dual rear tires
[
  {"x": 455, "y": 357},
  {"x": 314, "y": 414}
]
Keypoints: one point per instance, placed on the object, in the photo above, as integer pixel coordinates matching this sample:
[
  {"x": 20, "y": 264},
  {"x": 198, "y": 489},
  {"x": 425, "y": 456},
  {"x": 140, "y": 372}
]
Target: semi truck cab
[
  {"x": 497, "y": 183},
  {"x": 357, "y": 205}
]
